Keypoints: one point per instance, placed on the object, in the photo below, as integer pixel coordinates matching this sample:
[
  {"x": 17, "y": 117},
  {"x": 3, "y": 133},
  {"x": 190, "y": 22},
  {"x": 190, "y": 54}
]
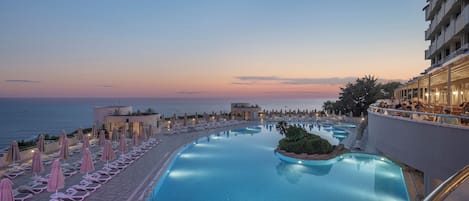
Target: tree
[
  {"x": 357, "y": 97},
  {"x": 282, "y": 127}
]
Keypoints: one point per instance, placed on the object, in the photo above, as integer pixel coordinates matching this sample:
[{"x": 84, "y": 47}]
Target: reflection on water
[{"x": 293, "y": 172}]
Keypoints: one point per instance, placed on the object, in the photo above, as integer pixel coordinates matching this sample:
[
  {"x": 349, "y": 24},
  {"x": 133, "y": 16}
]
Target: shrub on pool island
[{"x": 298, "y": 141}]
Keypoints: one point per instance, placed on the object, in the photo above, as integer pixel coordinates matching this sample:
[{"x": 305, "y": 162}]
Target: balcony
[
  {"x": 462, "y": 20},
  {"x": 449, "y": 32},
  {"x": 446, "y": 7},
  {"x": 432, "y": 8}
]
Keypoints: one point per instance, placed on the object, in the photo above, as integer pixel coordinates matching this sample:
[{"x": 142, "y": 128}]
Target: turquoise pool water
[{"x": 241, "y": 165}]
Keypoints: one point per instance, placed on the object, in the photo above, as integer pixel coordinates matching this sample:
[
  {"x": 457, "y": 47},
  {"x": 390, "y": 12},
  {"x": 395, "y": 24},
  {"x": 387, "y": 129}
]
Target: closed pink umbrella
[
  {"x": 135, "y": 139},
  {"x": 56, "y": 179},
  {"x": 122, "y": 144},
  {"x": 13, "y": 153},
  {"x": 40, "y": 144},
  {"x": 6, "y": 190},
  {"x": 87, "y": 164},
  {"x": 63, "y": 154},
  {"x": 102, "y": 138},
  {"x": 108, "y": 154},
  {"x": 80, "y": 134},
  {"x": 114, "y": 135},
  {"x": 86, "y": 142},
  {"x": 36, "y": 165},
  {"x": 62, "y": 136}
]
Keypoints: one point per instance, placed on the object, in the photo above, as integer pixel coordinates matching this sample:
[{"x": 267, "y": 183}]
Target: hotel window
[
  {"x": 447, "y": 52},
  {"x": 457, "y": 14},
  {"x": 457, "y": 45}
]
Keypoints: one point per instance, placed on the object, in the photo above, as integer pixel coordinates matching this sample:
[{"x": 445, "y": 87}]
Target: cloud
[
  {"x": 189, "y": 92},
  {"x": 258, "y": 78},
  {"x": 310, "y": 81},
  {"x": 22, "y": 81},
  {"x": 293, "y": 81},
  {"x": 243, "y": 83},
  {"x": 300, "y": 81}
]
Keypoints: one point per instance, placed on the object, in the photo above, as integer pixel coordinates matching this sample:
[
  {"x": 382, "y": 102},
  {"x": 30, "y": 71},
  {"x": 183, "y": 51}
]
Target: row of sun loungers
[
  {"x": 90, "y": 183},
  {"x": 93, "y": 181},
  {"x": 203, "y": 126}
]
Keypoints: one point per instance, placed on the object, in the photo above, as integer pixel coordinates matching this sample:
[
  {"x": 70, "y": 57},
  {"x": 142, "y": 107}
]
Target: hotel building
[
  {"x": 446, "y": 81},
  {"x": 426, "y": 141}
]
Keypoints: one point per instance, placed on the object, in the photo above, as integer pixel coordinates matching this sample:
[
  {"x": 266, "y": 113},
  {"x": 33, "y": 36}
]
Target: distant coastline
[{"x": 25, "y": 118}]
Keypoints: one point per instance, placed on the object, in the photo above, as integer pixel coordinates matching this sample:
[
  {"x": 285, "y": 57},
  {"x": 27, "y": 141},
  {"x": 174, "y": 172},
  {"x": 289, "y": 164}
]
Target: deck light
[{"x": 300, "y": 162}]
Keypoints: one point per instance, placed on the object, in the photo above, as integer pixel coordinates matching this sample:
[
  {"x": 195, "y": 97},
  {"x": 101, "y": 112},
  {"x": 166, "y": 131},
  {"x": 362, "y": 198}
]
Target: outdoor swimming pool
[{"x": 241, "y": 165}]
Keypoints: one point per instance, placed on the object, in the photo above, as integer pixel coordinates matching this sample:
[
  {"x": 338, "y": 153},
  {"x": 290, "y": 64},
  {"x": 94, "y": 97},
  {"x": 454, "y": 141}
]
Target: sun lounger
[
  {"x": 71, "y": 194},
  {"x": 11, "y": 174},
  {"x": 97, "y": 178},
  {"x": 69, "y": 172},
  {"x": 86, "y": 185},
  {"x": 35, "y": 188},
  {"x": 17, "y": 196},
  {"x": 108, "y": 171}
]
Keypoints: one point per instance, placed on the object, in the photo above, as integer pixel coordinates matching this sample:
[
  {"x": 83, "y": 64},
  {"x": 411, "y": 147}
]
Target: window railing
[{"x": 462, "y": 120}]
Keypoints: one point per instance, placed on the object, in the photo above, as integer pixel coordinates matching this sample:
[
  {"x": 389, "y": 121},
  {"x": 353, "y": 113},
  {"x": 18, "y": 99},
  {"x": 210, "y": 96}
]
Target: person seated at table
[
  {"x": 446, "y": 119},
  {"x": 419, "y": 116}
]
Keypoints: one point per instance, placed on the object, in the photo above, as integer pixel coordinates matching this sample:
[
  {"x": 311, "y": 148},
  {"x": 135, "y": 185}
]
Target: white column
[
  {"x": 449, "y": 93},
  {"x": 428, "y": 89},
  {"x": 418, "y": 90}
]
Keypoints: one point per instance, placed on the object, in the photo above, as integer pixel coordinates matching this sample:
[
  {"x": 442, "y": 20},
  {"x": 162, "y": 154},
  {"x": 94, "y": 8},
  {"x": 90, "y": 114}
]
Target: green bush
[{"x": 298, "y": 141}]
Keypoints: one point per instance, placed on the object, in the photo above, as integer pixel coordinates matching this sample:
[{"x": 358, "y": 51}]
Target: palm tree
[{"x": 282, "y": 127}]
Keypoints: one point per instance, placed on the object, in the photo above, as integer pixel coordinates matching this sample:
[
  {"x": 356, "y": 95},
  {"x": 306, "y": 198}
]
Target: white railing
[
  {"x": 423, "y": 116},
  {"x": 453, "y": 187}
]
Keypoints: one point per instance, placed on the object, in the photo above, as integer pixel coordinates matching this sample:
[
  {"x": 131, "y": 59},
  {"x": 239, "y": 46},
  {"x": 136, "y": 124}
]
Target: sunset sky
[{"x": 205, "y": 48}]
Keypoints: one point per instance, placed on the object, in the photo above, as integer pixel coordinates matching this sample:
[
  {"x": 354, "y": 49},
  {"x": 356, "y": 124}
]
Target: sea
[{"x": 25, "y": 118}]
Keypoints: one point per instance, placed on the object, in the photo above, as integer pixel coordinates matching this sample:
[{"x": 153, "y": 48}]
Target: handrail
[
  {"x": 375, "y": 109},
  {"x": 447, "y": 187}
]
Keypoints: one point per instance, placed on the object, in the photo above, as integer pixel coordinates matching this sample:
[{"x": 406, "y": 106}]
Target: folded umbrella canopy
[{"x": 13, "y": 153}]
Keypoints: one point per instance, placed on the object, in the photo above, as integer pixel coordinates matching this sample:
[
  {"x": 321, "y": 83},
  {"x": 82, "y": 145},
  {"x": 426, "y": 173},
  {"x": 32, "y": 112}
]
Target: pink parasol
[
  {"x": 114, "y": 135},
  {"x": 62, "y": 136},
  {"x": 36, "y": 164},
  {"x": 80, "y": 134},
  {"x": 135, "y": 139},
  {"x": 108, "y": 154},
  {"x": 122, "y": 144},
  {"x": 87, "y": 164},
  {"x": 13, "y": 153},
  {"x": 64, "y": 149},
  {"x": 102, "y": 138},
  {"x": 56, "y": 179},
  {"x": 6, "y": 190},
  {"x": 86, "y": 142},
  {"x": 40, "y": 144}
]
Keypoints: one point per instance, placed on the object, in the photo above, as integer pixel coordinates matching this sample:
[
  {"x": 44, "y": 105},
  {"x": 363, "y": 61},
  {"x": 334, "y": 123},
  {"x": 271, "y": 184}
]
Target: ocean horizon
[{"x": 25, "y": 118}]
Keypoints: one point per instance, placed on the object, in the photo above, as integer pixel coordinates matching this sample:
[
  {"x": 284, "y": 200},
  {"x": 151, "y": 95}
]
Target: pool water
[{"x": 241, "y": 165}]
